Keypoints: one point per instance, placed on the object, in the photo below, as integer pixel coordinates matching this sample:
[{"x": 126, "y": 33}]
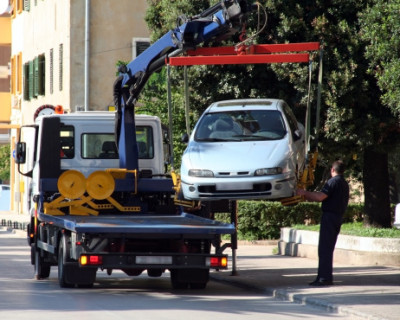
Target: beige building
[
  {"x": 5, "y": 73},
  {"x": 64, "y": 52}
]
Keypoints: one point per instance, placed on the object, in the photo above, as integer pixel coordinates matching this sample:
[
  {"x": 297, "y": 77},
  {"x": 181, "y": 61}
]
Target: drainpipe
[{"x": 87, "y": 43}]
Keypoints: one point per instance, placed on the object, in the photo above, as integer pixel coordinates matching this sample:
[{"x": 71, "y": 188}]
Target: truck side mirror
[
  {"x": 20, "y": 155},
  {"x": 185, "y": 138}
]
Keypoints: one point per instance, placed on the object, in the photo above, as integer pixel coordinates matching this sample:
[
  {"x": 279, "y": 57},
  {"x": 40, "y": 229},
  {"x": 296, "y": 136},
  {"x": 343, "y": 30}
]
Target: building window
[
  {"x": 60, "y": 75},
  {"x": 30, "y": 79},
  {"x": 26, "y": 81},
  {"x": 51, "y": 71},
  {"x": 35, "y": 77},
  {"x": 19, "y": 73},
  {"x": 27, "y": 5},
  {"x": 14, "y": 75},
  {"x": 139, "y": 45},
  {"x": 41, "y": 75},
  {"x": 18, "y": 6}
]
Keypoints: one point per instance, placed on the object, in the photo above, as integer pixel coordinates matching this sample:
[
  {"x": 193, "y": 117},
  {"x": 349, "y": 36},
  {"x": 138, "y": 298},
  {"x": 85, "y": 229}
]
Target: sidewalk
[
  {"x": 365, "y": 292},
  {"x": 14, "y": 220}
]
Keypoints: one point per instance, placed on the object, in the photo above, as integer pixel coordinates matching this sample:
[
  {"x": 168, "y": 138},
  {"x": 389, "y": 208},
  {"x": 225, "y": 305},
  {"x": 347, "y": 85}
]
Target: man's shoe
[{"x": 321, "y": 282}]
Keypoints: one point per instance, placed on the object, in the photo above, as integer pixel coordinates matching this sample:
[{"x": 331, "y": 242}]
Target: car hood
[{"x": 237, "y": 156}]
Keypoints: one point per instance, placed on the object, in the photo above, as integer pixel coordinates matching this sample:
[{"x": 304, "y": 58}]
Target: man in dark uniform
[{"x": 334, "y": 197}]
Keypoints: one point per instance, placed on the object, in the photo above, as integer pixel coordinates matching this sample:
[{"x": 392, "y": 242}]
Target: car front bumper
[{"x": 264, "y": 187}]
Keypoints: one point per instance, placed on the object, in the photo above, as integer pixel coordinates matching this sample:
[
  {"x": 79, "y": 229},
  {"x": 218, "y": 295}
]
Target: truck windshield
[
  {"x": 241, "y": 125},
  {"x": 102, "y": 145}
]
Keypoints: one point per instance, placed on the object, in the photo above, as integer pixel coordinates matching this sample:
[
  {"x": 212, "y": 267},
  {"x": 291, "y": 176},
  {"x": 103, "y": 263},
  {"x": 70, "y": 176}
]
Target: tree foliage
[
  {"x": 5, "y": 162},
  {"x": 381, "y": 30},
  {"x": 354, "y": 121}
]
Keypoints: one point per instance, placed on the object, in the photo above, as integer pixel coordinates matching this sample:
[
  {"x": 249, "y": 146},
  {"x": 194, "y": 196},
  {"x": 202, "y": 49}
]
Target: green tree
[
  {"x": 5, "y": 163},
  {"x": 380, "y": 29},
  {"x": 353, "y": 119}
]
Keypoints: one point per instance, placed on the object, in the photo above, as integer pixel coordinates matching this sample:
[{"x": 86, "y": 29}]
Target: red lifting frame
[{"x": 261, "y": 53}]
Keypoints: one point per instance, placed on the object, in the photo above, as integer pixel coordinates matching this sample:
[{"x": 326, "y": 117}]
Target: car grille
[
  {"x": 257, "y": 188},
  {"x": 232, "y": 174}
]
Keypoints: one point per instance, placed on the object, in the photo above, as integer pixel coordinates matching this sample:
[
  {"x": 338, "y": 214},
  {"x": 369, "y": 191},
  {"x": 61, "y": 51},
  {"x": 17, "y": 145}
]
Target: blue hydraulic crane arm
[{"x": 216, "y": 23}]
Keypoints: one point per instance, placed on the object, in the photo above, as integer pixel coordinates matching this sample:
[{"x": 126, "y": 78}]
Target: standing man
[{"x": 334, "y": 197}]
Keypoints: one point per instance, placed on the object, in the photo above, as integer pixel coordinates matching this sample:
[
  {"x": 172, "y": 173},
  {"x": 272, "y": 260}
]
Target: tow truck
[
  {"x": 96, "y": 204},
  {"x": 100, "y": 205}
]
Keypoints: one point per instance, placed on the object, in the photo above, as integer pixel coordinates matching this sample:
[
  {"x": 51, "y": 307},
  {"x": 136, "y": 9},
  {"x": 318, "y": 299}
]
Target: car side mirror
[
  {"x": 185, "y": 138},
  {"x": 297, "y": 134}
]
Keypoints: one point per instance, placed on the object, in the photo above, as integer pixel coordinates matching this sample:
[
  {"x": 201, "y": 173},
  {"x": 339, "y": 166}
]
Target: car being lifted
[{"x": 244, "y": 149}]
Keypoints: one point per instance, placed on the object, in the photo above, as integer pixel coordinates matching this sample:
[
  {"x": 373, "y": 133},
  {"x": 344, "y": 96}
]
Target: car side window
[{"x": 291, "y": 119}]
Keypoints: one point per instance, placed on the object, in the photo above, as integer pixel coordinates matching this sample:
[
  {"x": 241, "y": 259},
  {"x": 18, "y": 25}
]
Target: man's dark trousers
[{"x": 329, "y": 231}]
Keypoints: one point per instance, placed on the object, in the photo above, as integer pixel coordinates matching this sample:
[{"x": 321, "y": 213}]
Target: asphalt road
[{"x": 122, "y": 297}]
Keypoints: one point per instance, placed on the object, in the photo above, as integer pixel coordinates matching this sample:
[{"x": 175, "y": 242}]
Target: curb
[{"x": 282, "y": 294}]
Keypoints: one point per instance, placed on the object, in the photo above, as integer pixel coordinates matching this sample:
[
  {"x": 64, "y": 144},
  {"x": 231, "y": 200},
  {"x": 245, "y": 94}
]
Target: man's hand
[{"x": 315, "y": 196}]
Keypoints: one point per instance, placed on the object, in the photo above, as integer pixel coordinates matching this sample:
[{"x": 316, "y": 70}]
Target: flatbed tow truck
[{"x": 95, "y": 204}]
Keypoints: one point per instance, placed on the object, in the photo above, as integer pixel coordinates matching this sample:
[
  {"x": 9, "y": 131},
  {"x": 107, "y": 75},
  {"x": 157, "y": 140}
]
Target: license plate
[
  {"x": 153, "y": 260},
  {"x": 234, "y": 186}
]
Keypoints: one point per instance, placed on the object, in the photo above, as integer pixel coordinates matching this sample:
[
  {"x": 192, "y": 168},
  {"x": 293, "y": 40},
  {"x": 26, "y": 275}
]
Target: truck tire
[
  {"x": 42, "y": 269},
  {"x": 69, "y": 272},
  {"x": 194, "y": 278},
  {"x": 62, "y": 260},
  {"x": 176, "y": 281}
]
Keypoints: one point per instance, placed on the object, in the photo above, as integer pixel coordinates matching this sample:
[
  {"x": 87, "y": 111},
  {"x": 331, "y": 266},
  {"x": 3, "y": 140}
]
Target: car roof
[{"x": 241, "y": 104}]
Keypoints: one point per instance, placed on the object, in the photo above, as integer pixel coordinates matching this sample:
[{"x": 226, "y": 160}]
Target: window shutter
[
  {"x": 41, "y": 75},
  {"x": 51, "y": 71},
  {"x": 30, "y": 80},
  {"x": 19, "y": 73},
  {"x": 26, "y": 81},
  {"x": 141, "y": 46},
  {"x": 27, "y": 5},
  {"x": 13, "y": 74},
  {"x": 60, "y": 74},
  {"x": 20, "y": 5},
  {"x": 36, "y": 77}
]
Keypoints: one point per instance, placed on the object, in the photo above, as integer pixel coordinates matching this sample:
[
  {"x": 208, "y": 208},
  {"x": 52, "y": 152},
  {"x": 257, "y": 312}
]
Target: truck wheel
[
  {"x": 42, "y": 269},
  {"x": 176, "y": 281},
  {"x": 69, "y": 272},
  {"x": 199, "y": 279},
  {"x": 33, "y": 251},
  {"x": 62, "y": 269},
  {"x": 198, "y": 286}
]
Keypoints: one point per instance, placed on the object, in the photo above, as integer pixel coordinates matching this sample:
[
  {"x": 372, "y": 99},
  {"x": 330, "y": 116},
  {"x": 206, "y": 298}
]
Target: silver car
[{"x": 244, "y": 149}]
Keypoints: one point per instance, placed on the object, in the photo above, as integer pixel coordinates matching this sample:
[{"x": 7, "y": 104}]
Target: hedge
[{"x": 259, "y": 220}]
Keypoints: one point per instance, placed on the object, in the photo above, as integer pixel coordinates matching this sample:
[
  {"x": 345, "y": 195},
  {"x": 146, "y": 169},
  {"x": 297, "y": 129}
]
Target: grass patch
[{"x": 357, "y": 229}]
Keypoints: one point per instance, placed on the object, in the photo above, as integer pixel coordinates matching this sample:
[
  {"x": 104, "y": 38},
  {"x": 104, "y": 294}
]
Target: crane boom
[{"x": 218, "y": 22}]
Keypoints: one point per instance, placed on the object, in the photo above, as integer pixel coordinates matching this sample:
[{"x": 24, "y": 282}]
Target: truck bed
[{"x": 141, "y": 225}]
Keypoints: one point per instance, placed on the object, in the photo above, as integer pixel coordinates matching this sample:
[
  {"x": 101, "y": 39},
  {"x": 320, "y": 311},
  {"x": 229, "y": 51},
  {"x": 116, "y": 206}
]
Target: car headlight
[
  {"x": 200, "y": 173},
  {"x": 268, "y": 171}
]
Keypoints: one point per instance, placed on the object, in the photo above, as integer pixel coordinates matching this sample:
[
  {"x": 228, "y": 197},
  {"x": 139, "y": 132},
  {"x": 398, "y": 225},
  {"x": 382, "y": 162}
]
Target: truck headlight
[
  {"x": 268, "y": 171},
  {"x": 200, "y": 173}
]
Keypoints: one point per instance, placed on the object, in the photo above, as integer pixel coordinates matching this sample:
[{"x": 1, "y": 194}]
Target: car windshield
[{"x": 241, "y": 125}]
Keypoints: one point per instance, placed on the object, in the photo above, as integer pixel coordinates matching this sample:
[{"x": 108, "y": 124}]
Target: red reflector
[
  {"x": 214, "y": 262},
  {"x": 95, "y": 260}
]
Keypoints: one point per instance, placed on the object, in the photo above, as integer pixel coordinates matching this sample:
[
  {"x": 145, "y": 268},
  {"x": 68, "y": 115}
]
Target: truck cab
[{"x": 87, "y": 144}]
